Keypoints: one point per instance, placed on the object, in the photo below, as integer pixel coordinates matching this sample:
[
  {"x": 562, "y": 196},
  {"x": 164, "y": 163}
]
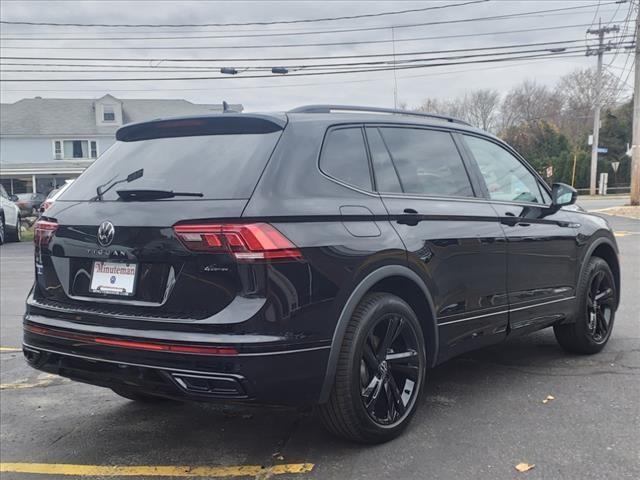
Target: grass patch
[{"x": 27, "y": 235}]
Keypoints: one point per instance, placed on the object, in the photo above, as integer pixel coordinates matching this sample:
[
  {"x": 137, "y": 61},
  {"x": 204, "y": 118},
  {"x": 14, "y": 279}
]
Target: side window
[
  {"x": 546, "y": 198},
  {"x": 506, "y": 178},
  {"x": 344, "y": 157},
  {"x": 383, "y": 170},
  {"x": 427, "y": 162}
]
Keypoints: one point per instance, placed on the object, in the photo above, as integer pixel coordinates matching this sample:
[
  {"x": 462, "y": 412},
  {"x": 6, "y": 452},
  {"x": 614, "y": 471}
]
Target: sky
[{"x": 245, "y": 46}]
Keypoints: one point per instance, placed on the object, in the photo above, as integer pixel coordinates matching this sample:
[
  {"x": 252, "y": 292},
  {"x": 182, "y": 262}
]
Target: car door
[
  {"x": 453, "y": 240},
  {"x": 542, "y": 244},
  {"x": 9, "y": 208}
]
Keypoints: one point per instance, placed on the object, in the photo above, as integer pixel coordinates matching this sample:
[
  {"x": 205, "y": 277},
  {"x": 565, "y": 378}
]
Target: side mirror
[
  {"x": 563, "y": 194},
  {"x": 13, "y": 198}
]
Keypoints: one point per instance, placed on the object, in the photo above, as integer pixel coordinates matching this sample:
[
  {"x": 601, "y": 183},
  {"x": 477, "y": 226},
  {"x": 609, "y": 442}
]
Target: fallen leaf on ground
[
  {"x": 524, "y": 467},
  {"x": 548, "y": 399}
]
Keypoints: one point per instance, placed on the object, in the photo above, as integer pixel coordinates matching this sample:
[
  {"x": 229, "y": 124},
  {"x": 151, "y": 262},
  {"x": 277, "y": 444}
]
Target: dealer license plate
[{"x": 113, "y": 278}]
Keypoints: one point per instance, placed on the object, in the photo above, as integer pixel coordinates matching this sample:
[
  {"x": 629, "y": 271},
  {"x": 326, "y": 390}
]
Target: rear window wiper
[
  {"x": 101, "y": 190},
  {"x": 142, "y": 195}
]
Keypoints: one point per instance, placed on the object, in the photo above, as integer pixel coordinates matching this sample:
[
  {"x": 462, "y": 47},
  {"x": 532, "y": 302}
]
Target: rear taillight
[
  {"x": 43, "y": 232},
  {"x": 246, "y": 242}
]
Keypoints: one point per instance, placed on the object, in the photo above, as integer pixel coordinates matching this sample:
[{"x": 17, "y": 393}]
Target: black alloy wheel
[
  {"x": 390, "y": 370},
  {"x": 600, "y": 306},
  {"x": 380, "y": 372},
  {"x": 596, "y": 305}
]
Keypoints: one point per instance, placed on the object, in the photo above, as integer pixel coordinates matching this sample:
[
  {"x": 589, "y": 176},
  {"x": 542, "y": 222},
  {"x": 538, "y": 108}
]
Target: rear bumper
[{"x": 287, "y": 376}]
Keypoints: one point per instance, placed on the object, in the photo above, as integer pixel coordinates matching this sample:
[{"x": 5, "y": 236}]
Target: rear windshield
[{"x": 218, "y": 166}]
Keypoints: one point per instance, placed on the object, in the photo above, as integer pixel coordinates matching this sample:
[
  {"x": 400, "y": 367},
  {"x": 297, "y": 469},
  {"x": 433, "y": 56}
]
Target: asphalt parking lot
[{"x": 482, "y": 413}]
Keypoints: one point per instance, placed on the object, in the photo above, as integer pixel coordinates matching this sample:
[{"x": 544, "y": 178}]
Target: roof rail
[{"x": 355, "y": 108}]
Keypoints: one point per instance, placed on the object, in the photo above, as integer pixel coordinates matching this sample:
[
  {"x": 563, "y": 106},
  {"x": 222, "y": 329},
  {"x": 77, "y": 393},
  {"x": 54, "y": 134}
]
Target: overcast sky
[{"x": 373, "y": 88}]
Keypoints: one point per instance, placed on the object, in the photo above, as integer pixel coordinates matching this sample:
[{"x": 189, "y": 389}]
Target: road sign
[
  {"x": 615, "y": 166},
  {"x": 603, "y": 150}
]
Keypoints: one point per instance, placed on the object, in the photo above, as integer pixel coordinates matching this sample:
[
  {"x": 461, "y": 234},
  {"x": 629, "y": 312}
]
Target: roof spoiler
[{"x": 223, "y": 124}]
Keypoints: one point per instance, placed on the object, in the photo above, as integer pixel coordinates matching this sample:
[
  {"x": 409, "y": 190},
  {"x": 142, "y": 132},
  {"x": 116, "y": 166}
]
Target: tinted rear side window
[
  {"x": 427, "y": 162},
  {"x": 344, "y": 157},
  {"x": 218, "y": 166},
  {"x": 384, "y": 172}
]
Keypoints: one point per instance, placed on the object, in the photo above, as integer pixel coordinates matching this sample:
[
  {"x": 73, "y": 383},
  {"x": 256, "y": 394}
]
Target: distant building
[{"x": 45, "y": 141}]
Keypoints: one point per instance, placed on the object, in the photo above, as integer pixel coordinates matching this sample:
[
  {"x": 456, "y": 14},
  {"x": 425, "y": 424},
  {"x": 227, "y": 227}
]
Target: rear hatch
[{"x": 141, "y": 232}]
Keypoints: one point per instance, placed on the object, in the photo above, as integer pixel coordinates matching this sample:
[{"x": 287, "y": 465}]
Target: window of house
[
  {"x": 70, "y": 149},
  {"x": 57, "y": 150},
  {"x": 344, "y": 157},
  {"x": 507, "y": 179},
  {"x": 108, "y": 113},
  {"x": 427, "y": 162}
]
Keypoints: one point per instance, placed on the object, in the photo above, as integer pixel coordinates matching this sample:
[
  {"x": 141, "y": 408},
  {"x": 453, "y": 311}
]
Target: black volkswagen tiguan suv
[{"x": 324, "y": 256}]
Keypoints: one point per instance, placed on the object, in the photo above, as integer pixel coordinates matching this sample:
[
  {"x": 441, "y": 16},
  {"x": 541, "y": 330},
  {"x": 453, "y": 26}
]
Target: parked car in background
[
  {"x": 53, "y": 195},
  {"x": 9, "y": 218},
  {"x": 29, "y": 203},
  {"x": 324, "y": 256}
]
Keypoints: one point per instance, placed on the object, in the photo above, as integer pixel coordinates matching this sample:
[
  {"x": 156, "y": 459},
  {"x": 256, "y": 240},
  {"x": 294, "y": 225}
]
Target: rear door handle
[{"x": 410, "y": 217}]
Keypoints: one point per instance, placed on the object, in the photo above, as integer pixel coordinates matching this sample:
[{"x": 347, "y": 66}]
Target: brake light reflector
[
  {"x": 132, "y": 344},
  {"x": 43, "y": 232},
  {"x": 246, "y": 242}
]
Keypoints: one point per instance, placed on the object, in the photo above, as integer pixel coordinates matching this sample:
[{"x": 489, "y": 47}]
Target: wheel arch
[
  {"x": 607, "y": 250},
  {"x": 398, "y": 280}
]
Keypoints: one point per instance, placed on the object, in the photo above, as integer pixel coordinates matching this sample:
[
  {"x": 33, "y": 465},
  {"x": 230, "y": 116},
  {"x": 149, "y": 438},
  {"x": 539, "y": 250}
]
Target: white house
[{"x": 44, "y": 141}]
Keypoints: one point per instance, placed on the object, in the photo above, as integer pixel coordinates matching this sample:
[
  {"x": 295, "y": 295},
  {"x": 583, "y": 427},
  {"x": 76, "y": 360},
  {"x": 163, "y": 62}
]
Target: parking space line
[
  {"x": 9, "y": 349},
  {"x": 154, "y": 471},
  {"x": 624, "y": 233},
  {"x": 41, "y": 382}
]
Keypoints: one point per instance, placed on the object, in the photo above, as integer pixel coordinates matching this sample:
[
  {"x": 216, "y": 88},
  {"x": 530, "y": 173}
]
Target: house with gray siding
[{"x": 45, "y": 141}]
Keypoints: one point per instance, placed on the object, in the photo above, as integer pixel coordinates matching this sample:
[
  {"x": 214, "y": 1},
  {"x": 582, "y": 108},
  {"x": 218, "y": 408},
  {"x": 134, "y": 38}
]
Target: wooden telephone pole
[
  {"x": 601, "y": 32},
  {"x": 635, "y": 152}
]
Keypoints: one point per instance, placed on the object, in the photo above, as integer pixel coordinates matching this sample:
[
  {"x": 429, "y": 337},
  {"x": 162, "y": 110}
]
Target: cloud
[{"x": 375, "y": 88}]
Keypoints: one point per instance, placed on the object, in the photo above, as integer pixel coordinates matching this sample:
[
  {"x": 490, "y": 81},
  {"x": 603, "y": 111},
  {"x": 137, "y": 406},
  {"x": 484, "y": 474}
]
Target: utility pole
[
  {"x": 635, "y": 152},
  {"x": 601, "y": 32}
]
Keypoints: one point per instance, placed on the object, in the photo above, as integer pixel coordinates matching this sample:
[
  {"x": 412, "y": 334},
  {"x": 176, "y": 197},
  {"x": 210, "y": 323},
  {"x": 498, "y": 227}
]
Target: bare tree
[
  {"x": 577, "y": 94},
  {"x": 482, "y": 108},
  {"x": 479, "y": 107},
  {"x": 529, "y": 102}
]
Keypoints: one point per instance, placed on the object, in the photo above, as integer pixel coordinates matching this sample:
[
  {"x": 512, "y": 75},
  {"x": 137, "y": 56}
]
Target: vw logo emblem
[{"x": 106, "y": 232}]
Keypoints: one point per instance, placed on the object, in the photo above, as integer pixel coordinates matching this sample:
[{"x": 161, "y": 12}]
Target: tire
[
  {"x": 374, "y": 395},
  {"x": 131, "y": 394},
  {"x": 2, "y": 230},
  {"x": 16, "y": 235},
  {"x": 594, "y": 319}
]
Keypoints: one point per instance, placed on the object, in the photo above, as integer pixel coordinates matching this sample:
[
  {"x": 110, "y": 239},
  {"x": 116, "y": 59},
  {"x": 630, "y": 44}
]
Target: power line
[
  {"x": 286, "y": 59},
  {"x": 334, "y": 65},
  {"x": 341, "y": 72},
  {"x": 274, "y": 22},
  {"x": 413, "y": 25},
  {"x": 437, "y": 37},
  {"x": 191, "y": 47},
  {"x": 363, "y": 42},
  {"x": 381, "y": 62},
  {"x": 280, "y": 85}
]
